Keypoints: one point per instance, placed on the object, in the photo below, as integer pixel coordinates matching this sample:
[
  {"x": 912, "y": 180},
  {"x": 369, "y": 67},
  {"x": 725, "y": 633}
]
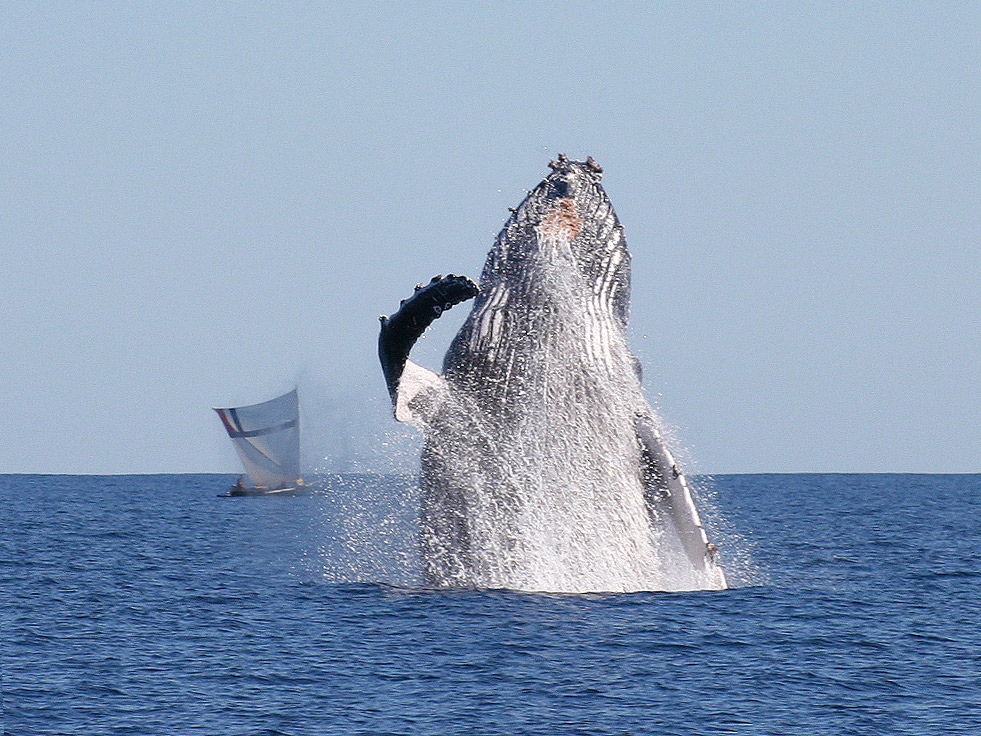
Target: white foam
[{"x": 545, "y": 476}]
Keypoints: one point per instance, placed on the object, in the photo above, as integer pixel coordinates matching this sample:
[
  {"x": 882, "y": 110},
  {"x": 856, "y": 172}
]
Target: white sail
[{"x": 267, "y": 438}]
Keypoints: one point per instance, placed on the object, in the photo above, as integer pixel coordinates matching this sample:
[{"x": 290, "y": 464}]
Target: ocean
[{"x": 149, "y": 605}]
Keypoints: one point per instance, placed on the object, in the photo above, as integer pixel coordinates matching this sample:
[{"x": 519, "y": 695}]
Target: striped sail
[{"x": 267, "y": 439}]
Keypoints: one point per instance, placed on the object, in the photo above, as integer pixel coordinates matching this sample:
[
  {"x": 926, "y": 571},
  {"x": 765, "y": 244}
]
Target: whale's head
[
  {"x": 566, "y": 221},
  {"x": 556, "y": 281}
]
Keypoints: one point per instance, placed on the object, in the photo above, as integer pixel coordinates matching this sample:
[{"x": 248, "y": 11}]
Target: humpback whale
[{"x": 544, "y": 467}]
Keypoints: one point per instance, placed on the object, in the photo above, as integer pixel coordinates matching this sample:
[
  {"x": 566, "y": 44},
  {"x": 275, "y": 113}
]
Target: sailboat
[{"x": 267, "y": 439}]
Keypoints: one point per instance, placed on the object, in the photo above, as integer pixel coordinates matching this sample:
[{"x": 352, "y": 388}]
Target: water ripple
[{"x": 148, "y": 606}]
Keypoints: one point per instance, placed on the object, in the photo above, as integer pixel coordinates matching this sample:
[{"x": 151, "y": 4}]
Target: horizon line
[{"x": 376, "y": 472}]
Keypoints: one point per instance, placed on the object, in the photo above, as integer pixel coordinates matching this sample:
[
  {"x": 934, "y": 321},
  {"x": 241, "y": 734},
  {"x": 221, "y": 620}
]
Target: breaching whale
[{"x": 543, "y": 465}]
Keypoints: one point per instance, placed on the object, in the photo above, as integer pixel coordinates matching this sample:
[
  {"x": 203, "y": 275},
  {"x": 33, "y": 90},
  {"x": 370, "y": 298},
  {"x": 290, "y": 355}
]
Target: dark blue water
[{"x": 147, "y": 605}]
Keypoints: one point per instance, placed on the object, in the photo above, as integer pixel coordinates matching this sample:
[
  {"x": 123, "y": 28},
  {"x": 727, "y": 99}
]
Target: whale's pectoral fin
[
  {"x": 667, "y": 492},
  {"x": 400, "y": 331}
]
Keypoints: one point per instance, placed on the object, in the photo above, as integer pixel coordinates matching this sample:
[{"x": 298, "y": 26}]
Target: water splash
[
  {"x": 538, "y": 486},
  {"x": 366, "y": 529}
]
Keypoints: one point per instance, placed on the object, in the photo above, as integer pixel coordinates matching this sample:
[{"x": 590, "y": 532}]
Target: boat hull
[{"x": 239, "y": 490}]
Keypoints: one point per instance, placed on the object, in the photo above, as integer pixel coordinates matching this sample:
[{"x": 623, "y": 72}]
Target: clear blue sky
[{"x": 201, "y": 204}]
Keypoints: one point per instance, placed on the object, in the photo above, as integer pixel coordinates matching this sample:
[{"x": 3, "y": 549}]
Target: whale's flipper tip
[{"x": 400, "y": 331}]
